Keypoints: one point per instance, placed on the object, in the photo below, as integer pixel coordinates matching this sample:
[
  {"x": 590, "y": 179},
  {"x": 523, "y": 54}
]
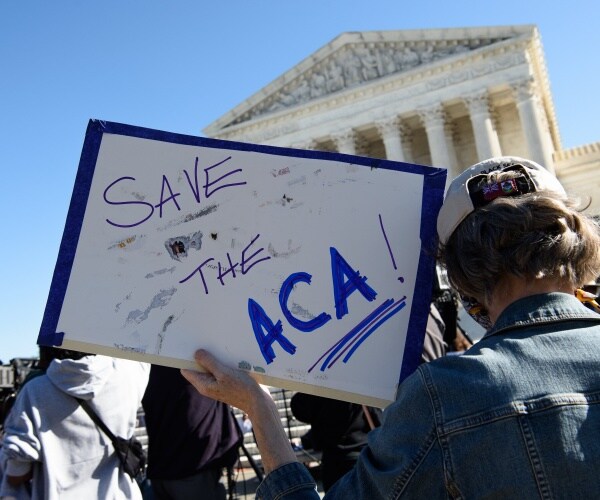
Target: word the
[
  {"x": 209, "y": 188},
  {"x": 246, "y": 263}
]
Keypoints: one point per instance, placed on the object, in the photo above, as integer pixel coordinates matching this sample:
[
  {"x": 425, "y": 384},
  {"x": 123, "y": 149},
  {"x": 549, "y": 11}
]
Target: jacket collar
[{"x": 542, "y": 309}]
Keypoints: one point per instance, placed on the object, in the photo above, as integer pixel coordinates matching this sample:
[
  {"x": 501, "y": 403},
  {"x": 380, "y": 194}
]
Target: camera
[{"x": 12, "y": 377}]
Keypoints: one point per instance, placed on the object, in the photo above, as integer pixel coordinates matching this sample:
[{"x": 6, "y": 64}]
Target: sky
[{"x": 179, "y": 65}]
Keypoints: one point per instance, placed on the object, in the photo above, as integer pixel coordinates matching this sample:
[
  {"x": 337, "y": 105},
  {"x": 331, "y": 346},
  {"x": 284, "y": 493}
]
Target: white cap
[{"x": 458, "y": 203}]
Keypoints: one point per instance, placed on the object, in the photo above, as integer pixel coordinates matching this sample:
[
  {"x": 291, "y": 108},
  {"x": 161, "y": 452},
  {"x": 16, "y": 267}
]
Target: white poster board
[{"x": 311, "y": 270}]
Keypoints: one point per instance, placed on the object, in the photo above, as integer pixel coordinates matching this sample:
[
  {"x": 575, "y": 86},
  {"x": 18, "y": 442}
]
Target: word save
[{"x": 167, "y": 195}]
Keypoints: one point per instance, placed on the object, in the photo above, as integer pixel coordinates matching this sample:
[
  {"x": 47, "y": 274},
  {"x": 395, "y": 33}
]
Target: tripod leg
[{"x": 257, "y": 470}]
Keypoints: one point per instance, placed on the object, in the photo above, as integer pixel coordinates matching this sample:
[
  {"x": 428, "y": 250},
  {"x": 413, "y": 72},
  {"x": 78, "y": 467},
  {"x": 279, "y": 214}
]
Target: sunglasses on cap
[{"x": 482, "y": 191}]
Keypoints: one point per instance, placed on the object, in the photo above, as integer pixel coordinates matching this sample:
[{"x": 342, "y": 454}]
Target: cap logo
[
  {"x": 480, "y": 185},
  {"x": 483, "y": 192},
  {"x": 504, "y": 188}
]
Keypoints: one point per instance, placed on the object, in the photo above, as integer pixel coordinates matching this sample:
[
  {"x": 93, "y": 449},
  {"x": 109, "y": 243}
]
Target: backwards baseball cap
[{"x": 472, "y": 189}]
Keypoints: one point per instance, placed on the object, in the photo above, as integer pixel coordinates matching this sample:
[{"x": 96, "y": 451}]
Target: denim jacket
[{"x": 516, "y": 416}]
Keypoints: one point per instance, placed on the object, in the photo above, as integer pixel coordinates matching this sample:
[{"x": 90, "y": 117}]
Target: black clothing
[
  {"x": 187, "y": 432},
  {"x": 338, "y": 429}
]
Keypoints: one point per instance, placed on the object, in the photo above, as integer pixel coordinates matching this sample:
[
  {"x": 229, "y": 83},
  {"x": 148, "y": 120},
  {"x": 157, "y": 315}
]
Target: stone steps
[{"x": 294, "y": 430}]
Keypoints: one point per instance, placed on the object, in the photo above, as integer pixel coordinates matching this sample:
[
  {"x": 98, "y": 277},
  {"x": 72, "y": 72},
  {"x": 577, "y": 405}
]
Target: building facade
[{"x": 443, "y": 97}]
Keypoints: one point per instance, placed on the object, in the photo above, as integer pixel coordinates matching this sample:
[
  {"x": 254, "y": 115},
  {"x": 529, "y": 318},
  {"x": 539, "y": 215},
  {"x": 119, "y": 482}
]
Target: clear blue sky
[{"x": 177, "y": 66}]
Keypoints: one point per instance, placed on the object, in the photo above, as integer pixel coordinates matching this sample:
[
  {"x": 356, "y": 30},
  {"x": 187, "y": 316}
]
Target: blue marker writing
[
  {"x": 343, "y": 289},
  {"x": 284, "y": 293},
  {"x": 267, "y": 333}
]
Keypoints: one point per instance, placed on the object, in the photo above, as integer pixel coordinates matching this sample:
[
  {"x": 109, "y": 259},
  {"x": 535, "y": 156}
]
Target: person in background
[
  {"x": 434, "y": 345},
  {"x": 446, "y": 303},
  {"x": 516, "y": 415},
  {"x": 52, "y": 449},
  {"x": 191, "y": 438},
  {"x": 339, "y": 430}
]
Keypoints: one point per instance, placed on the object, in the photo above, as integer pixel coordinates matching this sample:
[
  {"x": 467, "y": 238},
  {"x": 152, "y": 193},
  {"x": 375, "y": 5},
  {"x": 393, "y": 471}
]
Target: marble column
[
  {"x": 406, "y": 137},
  {"x": 530, "y": 114},
  {"x": 389, "y": 129},
  {"x": 486, "y": 137},
  {"x": 345, "y": 141},
  {"x": 451, "y": 139},
  {"x": 434, "y": 120}
]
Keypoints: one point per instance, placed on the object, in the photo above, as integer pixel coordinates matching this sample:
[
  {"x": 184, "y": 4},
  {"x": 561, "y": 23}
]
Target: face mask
[{"x": 476, "y": 311}]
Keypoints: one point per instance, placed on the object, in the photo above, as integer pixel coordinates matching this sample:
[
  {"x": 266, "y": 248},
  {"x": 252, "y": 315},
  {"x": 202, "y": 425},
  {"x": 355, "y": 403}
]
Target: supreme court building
[{"x": 442, "y": 97}]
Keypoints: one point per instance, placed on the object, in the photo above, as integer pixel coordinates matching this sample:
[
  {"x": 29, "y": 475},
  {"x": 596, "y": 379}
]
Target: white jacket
[{"x": 71, "y": 457}]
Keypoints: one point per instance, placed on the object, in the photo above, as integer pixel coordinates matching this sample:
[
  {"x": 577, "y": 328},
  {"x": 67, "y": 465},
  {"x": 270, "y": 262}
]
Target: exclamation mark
[{"x": 400, "y": 278}]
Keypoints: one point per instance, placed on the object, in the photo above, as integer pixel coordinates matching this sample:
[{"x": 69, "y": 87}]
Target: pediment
[{"x": 359, "y": 58}]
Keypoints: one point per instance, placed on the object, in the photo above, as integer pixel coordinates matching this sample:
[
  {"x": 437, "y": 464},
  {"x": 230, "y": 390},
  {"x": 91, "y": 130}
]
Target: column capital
[
  {"x": 432, "y": 116},
  {"x": 487, "y": 143},
  {"x": 478, "y": 103},
  {"x": 531, "y": 113},
  {"x": 393, "y": 132},
  {"x": 345, "y": 140},
  {"x": 389, "y": 126},
  {"x": 344, "y": 135},
  {"x": 524, "y": 89}
]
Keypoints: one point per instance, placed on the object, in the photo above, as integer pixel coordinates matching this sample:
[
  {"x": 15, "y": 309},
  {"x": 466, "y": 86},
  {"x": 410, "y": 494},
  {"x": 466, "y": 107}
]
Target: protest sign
[{"x": 312, "y": 270}]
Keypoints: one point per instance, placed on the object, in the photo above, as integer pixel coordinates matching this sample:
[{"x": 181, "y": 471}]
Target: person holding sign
[{"x": 517, "y": 415}]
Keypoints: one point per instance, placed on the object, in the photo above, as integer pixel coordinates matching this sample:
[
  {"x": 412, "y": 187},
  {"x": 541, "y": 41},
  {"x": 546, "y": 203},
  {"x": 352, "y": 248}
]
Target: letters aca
[{"x": 345, "y": 282}]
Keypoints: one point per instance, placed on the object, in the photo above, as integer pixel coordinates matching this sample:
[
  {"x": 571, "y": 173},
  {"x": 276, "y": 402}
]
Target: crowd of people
[{"x": 516, "y": 415}]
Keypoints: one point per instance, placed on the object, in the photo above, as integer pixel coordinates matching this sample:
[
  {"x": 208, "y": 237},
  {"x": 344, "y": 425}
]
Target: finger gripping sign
[{"x": 311, "y": 270}]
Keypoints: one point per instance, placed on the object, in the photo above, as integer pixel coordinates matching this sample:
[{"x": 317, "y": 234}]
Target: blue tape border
[
  {"x": 48, "y": 335},
  {"x": 433, "y": 195}
]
